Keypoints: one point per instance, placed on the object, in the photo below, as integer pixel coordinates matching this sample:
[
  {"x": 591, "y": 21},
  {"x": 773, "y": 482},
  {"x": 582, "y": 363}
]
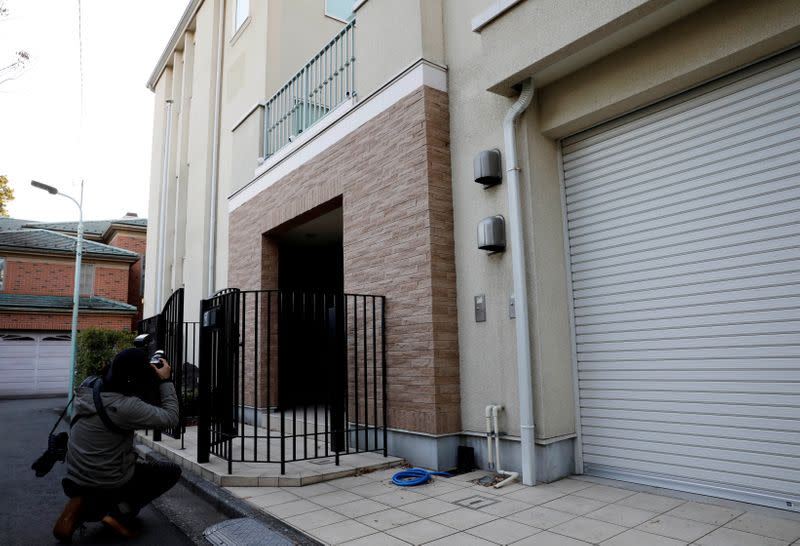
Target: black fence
[
  {"x": 167, "y": 333},
  {"x": 290, "y": 376}
]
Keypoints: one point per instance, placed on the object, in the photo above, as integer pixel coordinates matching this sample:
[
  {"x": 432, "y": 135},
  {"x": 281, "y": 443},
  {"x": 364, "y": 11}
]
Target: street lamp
[{"x": 77, "y": 287}]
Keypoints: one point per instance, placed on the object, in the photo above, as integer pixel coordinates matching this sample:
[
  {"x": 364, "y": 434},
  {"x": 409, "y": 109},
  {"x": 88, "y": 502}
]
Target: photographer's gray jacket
[{"x": 98, "y": 457}]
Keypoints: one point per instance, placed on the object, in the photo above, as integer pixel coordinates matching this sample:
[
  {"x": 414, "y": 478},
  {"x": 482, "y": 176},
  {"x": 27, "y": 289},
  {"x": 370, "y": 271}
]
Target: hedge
[{"x": 96, "y": 347}]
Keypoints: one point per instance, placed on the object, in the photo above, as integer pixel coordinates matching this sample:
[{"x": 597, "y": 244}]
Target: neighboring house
[
  {"x": 648, "y": 329},
  {"x": 37, "y": 272}
]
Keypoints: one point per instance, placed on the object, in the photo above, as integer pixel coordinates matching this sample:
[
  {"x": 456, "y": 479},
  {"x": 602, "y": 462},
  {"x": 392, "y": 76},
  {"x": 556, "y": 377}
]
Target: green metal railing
[{"x": 325, "y": 82}]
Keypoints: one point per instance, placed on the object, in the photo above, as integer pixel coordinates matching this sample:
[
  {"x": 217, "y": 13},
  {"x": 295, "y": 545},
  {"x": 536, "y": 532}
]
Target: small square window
[
  {"x": 241, "y": 11},
  {"x": 340, "y": 9},
  {"x": 87, "y": 280}
]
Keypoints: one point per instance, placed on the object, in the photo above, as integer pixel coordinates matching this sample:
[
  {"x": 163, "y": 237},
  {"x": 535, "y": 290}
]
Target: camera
[
  {"x": 156, "y": 359},
  {"x": 56, "y": 451}
]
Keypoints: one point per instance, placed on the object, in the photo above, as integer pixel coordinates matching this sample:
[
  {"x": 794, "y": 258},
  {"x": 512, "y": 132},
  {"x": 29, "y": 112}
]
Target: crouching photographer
[{"x": 105, "y": 481}]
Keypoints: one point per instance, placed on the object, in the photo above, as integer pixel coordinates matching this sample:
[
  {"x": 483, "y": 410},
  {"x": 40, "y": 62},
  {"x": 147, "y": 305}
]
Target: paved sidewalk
[{"x": 369, "y": 510}]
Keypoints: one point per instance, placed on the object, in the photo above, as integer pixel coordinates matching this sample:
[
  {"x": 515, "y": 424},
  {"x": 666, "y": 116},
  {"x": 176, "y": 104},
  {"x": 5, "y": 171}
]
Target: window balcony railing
[{"x": 325, "y": 82}]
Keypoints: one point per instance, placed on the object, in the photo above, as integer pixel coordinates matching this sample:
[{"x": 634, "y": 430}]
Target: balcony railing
[{"x": 325, "y": 82}]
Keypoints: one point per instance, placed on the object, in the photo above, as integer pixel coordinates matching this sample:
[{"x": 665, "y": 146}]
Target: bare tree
[{"x": 10, "y": 70}]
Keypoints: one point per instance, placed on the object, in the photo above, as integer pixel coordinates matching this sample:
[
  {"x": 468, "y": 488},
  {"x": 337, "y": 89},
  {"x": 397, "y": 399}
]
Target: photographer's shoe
[
  {"x": 125, "y": 525},
  {"x": 68, "y": 520}
]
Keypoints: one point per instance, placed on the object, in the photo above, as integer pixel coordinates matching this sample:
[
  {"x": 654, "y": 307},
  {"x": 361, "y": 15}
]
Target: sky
[{"x": 42, "y": 133}]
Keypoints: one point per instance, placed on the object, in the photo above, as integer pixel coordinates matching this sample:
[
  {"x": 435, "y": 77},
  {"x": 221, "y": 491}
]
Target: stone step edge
[{"x": 229, "y": 504}]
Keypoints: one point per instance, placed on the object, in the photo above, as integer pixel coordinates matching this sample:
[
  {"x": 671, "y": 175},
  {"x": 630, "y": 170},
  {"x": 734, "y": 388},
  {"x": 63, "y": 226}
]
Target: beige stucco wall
[
  {"x": 717, "y": 39},
  {"x": 298, "y": 29},
  {"x": 162, "y": 91},
  {"x": 594, "y": 63},
  {"x": 275, "y": 42},
  {"x": 391, "y": 35}
]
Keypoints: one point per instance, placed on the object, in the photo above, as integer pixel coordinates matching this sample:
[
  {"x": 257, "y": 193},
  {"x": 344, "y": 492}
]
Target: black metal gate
[
  {"x": 288, "y": 376},
  {"x": 167, "y": 333}
]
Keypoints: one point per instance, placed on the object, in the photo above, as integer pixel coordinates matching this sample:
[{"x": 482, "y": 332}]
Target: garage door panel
[
  {"x": 675, "y": 258},
  {"x": 718, "y": 364},
  {"x": 706, "y": 386},
  {"x": 771, "y": 137},
  {"x": 731, "y": 421},
  {"x": 784, "y": 259},
  {"x": 634, "y": 215},
  {"x": 699, "y": 407},
  {"x": 684, "y": 241},
  {"x": 602, "y": 435},
  {"x": 709, "y": 219},
  {"x": 776, "y": 464},
  {"x": 783, "y": 79},
  {"x": 714, "y": 148},
  {"x": 752, "y": 471},
  {"x": 737, "y": 275},
  {"x": 642, "y": 247},
  {"x": 778, "y": 438},
  {"x": 759, "y": 320},
  {"x": 721, "y": 258},
  {"x": 698, "y": 331},
  {"x": 682, "y": 245},
  {"x": 722, "y": 478},
  {"x": 728, "y": 345},
  {"x": 762, "y": 294},
  {"x": 753, "y": 376},
  {"x": 33, "y": 363}
]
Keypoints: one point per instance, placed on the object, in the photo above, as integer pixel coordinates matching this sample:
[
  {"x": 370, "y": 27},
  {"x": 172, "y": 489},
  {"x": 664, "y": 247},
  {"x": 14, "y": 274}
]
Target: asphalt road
[{"x": 29, "y": 506}]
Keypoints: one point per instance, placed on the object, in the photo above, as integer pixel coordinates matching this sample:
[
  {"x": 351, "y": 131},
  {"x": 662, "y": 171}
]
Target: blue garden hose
[{"x": 415, "y": 476}]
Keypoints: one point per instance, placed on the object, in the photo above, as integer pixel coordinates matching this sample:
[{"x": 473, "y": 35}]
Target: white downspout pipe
[
  {"x": 211, "y": 257},
  {"x": 524, "y": 368},
  {"x": 489, "y": 459},
  {"x": 162, "y": 208},
  {"x": 511, "y": 476}
]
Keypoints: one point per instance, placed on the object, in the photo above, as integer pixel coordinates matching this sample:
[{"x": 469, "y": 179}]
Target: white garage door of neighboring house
[
  {"x": 34, "y": 363},
  {"x": 684, "y": 238}
]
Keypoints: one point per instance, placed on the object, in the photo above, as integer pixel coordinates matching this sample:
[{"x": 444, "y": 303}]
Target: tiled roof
[
  {"x": 90, "y": 227},
  {"x": 12, "y": 223},
  {"x": 24, "y": 301},
  {"x": 51, "y": 241}
]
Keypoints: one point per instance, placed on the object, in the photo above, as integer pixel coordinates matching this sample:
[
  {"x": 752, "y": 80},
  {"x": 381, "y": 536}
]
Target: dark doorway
[{"x": 310, "y": 276}]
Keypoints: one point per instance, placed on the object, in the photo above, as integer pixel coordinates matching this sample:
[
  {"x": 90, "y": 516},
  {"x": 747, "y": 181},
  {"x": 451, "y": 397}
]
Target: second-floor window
[
  {"x": 242, "y": 10},
  {"x": 87, "y": 279},
  {"x": 2, "y": 273},
  {"x": 339, "y": 9}
]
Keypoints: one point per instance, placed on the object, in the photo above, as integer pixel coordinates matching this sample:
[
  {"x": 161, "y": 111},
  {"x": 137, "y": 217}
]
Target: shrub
[{"x": 96, "y": 347}]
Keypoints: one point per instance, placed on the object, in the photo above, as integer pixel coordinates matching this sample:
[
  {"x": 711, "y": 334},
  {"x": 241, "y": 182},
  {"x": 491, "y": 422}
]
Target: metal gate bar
[{"x": 294, "y": 356}]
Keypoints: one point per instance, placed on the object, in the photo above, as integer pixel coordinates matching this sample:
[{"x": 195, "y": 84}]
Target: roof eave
[
  {"x": 65, "y": 310},
  {"x": 63, "y": 253},
  {"x": 180, "y": 29}
]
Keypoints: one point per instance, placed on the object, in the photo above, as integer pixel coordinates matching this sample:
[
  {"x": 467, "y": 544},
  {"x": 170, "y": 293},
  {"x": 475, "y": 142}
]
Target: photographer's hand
[{"x": 164, "y": 372}]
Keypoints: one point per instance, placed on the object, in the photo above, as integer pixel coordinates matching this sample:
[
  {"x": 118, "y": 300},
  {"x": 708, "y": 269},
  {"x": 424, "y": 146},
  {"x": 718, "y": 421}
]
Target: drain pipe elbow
[{"x": 524, "y": 368}]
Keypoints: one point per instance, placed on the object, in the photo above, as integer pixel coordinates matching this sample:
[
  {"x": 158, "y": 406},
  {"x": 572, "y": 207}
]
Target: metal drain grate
[
  {"x": 476, "y": 502},
  {"x": 321, "y": 462},
  {"x": 244, "y": 532}
]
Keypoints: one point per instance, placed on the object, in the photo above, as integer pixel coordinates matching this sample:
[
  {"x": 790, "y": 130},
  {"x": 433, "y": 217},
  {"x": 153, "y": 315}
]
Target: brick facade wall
[
  {"x": 49, "y": 278},
  {"x": 43, "y": 277},
  {"x": 135, "y": 243},
  {"x": 393, "y": 177},
  {"x": 62, "y": 321}
]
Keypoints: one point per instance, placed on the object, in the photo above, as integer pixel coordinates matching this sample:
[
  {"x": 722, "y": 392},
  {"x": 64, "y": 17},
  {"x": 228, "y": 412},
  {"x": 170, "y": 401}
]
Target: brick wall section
[
  {"x": 58, "y": 279},
  {"x": 62, "y": 321},
  {"x": 393, "y": 175},
  {"x": 135, "y": 243}
]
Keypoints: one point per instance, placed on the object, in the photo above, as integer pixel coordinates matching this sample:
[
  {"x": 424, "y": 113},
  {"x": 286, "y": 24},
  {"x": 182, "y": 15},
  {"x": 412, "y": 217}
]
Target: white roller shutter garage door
[
  {"x": 34, "y": 363},
  {"x": 683, "y": 223}
]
